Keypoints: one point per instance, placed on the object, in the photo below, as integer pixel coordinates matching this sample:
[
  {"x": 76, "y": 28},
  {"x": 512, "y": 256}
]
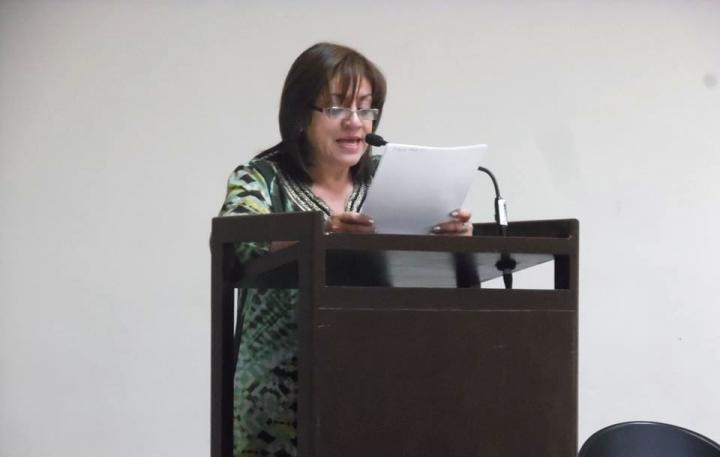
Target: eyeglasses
[{"x": 339, "y": 112}]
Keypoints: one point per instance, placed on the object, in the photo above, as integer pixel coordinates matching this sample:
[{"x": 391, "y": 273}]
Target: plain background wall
[{"x": 120, "y": 122}]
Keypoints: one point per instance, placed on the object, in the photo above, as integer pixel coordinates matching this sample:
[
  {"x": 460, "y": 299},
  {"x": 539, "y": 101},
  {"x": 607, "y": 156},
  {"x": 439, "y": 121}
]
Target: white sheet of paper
[{"x": 416, "y": 187}]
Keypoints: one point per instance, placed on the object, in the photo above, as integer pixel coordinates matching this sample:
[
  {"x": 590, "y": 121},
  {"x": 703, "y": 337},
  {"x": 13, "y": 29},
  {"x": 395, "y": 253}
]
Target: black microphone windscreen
[{"x": 375, "y": 140}]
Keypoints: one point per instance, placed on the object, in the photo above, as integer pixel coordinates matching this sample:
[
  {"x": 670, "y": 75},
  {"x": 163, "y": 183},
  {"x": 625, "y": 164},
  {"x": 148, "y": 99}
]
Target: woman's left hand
[{"x": 458, "y": 225}]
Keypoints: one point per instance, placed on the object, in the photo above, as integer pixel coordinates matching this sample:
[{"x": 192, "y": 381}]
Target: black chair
[{"x": 648, "y": 439}]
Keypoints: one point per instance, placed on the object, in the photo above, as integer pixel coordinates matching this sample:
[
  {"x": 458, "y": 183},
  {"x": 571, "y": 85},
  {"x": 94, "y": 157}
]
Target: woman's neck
[
  {"x": 331, "y": 178},
  {"x": 333, "y": 186}
]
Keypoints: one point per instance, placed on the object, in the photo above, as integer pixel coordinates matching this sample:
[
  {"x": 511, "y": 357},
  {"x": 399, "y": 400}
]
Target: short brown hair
[{"x": 309, "y": 78}]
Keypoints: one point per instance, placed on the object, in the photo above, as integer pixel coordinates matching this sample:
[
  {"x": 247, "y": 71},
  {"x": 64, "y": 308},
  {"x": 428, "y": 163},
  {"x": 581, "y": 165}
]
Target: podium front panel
[{"x": 445, "y": 378}]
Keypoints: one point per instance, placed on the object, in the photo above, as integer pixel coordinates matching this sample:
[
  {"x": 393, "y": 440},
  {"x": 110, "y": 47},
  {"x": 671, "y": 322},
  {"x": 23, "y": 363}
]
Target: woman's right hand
[{"x": 349, "y": 222}]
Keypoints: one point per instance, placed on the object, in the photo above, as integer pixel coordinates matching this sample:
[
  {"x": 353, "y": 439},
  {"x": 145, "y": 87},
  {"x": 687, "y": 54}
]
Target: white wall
[{"x": 119, "y": 123}]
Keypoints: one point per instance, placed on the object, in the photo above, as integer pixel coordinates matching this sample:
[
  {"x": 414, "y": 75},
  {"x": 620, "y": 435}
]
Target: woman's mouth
[{"x": 350, "y": 143}]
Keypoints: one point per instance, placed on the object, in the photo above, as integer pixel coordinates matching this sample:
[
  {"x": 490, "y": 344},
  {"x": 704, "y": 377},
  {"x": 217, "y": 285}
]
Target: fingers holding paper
[
  {"x": 349, "y": 222},
  {"x": 459, "y": 224}
]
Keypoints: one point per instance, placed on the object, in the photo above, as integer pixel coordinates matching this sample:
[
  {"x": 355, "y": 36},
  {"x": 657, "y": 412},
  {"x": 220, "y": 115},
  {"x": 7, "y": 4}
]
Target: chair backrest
[{"x": 648, "y": 439}]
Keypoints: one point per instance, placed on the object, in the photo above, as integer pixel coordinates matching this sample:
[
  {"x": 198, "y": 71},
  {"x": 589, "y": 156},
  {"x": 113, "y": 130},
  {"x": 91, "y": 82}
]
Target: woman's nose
[{"x": 353, "y": 120}]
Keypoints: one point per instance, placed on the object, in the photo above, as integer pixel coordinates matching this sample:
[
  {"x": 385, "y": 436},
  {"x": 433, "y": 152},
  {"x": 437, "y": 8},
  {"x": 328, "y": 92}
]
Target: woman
[{"x": 333, "y": 96}]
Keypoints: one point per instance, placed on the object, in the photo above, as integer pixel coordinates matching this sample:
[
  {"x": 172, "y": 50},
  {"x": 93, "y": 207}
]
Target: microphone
[
  {"x": 375, "y": 140},
  {"x": 501, "y": 218},
  {"x": 506, "y": 264}
]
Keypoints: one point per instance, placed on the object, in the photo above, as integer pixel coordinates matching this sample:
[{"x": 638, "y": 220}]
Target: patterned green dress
[{"x": 265, "y": 383}]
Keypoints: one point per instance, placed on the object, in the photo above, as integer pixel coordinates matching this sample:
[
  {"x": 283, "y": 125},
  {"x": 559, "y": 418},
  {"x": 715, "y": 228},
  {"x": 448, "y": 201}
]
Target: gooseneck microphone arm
[
  {"x": 506, "y": 264},
  {"x": 500, "y": 206}
]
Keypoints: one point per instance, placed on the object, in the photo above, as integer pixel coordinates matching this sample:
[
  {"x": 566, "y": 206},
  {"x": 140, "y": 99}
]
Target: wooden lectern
[{"x": 400, "y": 351}]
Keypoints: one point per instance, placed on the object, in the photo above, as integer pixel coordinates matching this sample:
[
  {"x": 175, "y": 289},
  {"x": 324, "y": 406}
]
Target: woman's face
[{"x": 340, "y": 143}]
